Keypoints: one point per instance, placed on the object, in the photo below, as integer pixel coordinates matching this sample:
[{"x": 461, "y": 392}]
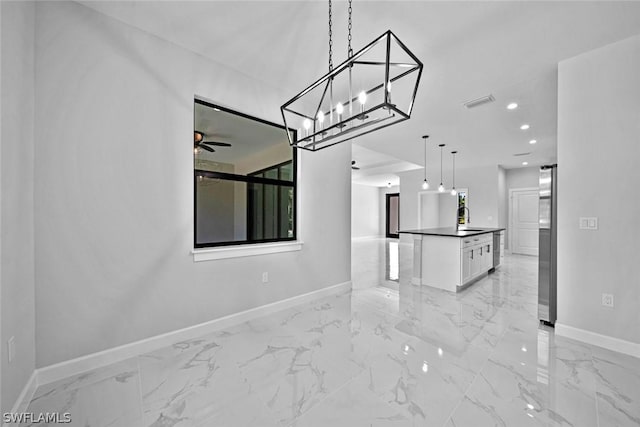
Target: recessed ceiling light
[
  {"x": 524, "y": 126},
  {"x": 512, "y": 106},
  {"x": 525, "y": 164},
  {"x": 533, "y": 141}
]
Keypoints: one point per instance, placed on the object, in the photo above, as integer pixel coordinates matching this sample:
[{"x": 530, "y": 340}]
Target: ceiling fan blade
[
  {"x": 204, "y": 147},
  {"x": 220, "y": 144},
  {"x": 355, "y": 168}
]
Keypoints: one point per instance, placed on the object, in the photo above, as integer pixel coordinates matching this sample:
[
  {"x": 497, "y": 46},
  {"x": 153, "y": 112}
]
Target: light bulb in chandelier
[
  {"x": 306, "y": 124},
  {"x": 362, "y": 97},
  {"x": 441, "y": 188},
  {"x": 320, "y": 116},
  {"x": 425, "y": 185},
  {"x": 339, "y": 108}
]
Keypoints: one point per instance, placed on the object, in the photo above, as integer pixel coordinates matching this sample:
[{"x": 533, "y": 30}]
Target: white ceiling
[{"x": 470, "y": 49}]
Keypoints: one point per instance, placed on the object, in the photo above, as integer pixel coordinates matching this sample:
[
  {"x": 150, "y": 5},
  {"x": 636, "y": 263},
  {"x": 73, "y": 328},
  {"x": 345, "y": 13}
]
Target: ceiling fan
[
  {"x": 353, "y": 165},
  {"x": 199, "y": 142}
]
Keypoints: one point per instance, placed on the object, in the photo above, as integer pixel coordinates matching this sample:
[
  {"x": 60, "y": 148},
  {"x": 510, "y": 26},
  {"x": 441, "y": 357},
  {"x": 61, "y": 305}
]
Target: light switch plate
[
  {"x": 588, "y": 223},
  {"x": 11, "y": 348}
]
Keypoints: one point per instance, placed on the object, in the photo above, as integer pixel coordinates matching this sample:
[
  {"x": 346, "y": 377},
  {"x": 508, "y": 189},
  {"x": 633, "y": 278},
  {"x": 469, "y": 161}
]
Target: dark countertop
[{"x": 451, "y": 231}]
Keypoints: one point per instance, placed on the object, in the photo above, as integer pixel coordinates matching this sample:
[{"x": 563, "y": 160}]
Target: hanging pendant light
[
  {"x": 453, "y": 189},
  {"x": 441, "y": 186},
  {"x": 425, "y": 183},
  {"x": 355, "y": 97}
]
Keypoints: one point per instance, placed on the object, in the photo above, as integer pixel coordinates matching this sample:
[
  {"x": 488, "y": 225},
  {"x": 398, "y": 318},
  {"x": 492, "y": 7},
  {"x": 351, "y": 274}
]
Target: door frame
[
  {"x": 511, "y": 227},
  {"x": 388, "y": 196}
]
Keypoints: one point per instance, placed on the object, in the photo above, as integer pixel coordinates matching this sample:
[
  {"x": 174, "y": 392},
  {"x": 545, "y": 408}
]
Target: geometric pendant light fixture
[{"x": 374, "y": 88}]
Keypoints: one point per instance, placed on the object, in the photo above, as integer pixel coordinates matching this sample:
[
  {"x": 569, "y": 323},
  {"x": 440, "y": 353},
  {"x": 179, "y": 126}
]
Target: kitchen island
[{"x": 452, "y": 259}]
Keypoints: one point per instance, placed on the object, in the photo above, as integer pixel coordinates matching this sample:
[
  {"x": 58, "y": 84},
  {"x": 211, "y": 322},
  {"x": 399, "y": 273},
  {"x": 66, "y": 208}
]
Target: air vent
[
  {"x": 480, "y": 101},
  {"x": 522, "y": 154}
]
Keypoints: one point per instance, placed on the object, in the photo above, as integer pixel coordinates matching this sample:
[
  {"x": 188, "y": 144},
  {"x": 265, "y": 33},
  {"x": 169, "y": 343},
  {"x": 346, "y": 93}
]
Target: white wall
[
  {"x": 523, "y": 177},
  {"x": 429, "y": 209},
  {"x": 448, "y": 209},
  {"x": 518, "y": 178},
  {"x": 114, "y": 190},
  {"x": 598, "y": 175},
  {"x": 482, "y": 185},
  {"x": 365, "y": 216},
  {"x": 503, "y": 197},
  {"x": 17, "y": 180}
]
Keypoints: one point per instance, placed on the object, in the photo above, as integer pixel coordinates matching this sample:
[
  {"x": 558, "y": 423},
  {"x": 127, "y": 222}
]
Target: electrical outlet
[
  {"x": 11, "y": 348},
  {"x": 607, "y": 300},
  {"x": 265, "y": 277},
  {"x": 588, "y": 223}
]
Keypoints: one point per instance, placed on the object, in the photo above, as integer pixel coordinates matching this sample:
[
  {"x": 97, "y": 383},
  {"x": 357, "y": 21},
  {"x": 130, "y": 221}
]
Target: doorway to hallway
[{"x": 393, "y": 215}]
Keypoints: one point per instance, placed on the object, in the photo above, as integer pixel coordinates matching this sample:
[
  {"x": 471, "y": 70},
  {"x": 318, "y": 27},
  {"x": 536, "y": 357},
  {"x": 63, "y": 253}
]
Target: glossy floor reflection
[{"x": 375, "y": 356}]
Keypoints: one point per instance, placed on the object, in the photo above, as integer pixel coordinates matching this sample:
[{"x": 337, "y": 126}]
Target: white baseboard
[
  {"x": 593, "y": 338},
  {"x": 76, "y": 366}
]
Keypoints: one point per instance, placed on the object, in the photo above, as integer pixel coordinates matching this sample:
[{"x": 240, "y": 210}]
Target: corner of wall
[{"x": 17, "y": 247}]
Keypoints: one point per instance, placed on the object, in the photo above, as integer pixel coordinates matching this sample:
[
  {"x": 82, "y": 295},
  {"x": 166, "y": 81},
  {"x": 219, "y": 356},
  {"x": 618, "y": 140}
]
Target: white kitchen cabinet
[
  {"x": 451, "y": 259},
  {"x": 467, "y": 261},
  {"x": 476, "y": 257}
]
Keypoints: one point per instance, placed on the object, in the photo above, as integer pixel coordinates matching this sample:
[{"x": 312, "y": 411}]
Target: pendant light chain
[
  {"x": 349, "y": 50},
  {"x": 330, "y": 40}
]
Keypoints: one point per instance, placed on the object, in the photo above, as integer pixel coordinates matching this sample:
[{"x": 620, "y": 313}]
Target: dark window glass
[{"x": 244, "y": 178}]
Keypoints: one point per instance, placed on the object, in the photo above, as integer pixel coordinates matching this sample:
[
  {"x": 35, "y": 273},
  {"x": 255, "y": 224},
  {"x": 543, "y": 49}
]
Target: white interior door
[{"x": 524, "y": 221}]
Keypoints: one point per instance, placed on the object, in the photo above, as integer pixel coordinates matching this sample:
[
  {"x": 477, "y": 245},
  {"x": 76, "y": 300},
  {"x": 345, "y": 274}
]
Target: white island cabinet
[{"x": 451, "y": 259}]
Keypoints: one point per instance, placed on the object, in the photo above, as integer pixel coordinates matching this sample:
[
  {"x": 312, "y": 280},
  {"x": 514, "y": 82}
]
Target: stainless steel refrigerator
[{"x": 548, "y": 237}]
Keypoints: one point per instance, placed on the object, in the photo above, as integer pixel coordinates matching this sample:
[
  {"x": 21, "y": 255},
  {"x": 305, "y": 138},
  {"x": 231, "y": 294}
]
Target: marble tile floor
[{"x": 373, "y": 356}]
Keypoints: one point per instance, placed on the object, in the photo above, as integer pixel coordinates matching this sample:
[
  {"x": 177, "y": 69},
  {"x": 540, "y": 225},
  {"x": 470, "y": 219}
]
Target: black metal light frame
[{"x": 360, "y": 123}]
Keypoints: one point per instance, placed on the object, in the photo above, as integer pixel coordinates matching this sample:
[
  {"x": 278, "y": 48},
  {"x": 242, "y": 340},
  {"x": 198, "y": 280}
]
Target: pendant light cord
[
  {"x": 425, "y": 159},
  {"x": 454, "y": 170},
  {"x": 425, "y": 156},
  {"x": 349, "y": 50},
  {"x": 441, "y": 145},
  {"x": 330, "y": 40}
]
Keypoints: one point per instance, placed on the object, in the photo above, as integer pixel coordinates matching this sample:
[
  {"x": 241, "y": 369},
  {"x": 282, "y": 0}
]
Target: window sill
[{"x": 210, "y": 254}]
